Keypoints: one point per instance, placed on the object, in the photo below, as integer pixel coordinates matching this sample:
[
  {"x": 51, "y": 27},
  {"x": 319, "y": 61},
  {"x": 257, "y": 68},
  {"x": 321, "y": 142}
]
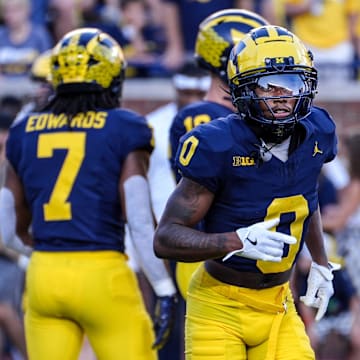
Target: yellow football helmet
[
  {"x": 87, "y": 59},
  {"x": 268, "y": 57},
  {"x": 217, "y": 35},
  {"x": 40, "y": 69}
]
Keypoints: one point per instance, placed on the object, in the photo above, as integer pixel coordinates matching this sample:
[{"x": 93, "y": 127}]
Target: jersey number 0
[{"x": 296, "y": 204}]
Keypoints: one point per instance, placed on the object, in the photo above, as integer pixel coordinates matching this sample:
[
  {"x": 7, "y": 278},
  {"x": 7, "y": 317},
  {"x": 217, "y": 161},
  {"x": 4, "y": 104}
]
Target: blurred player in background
[{"x": 77, "y": 172}]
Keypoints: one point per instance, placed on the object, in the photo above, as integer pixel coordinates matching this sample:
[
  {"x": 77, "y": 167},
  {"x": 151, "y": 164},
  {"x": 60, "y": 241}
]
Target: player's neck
[{"x": 218, "y": 93}]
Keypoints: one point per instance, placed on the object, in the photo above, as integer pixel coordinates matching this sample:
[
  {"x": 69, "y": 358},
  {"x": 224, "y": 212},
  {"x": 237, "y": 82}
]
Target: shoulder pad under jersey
[{"x": 201, "y": 151}]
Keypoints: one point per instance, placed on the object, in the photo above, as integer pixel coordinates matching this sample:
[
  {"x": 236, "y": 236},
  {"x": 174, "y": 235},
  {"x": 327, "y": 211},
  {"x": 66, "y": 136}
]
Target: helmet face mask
[
  {"x": 276, "y": 88},
  {"x": 217, "y": 35},
  {"x": 87, "y": 59}
]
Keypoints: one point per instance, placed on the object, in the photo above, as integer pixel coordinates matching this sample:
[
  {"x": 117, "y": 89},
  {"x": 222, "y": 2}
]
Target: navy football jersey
[
  {"x": 71, "y": 175},
  {"x": 188, "y": 118},
  {"x": 221, "y": 156}
]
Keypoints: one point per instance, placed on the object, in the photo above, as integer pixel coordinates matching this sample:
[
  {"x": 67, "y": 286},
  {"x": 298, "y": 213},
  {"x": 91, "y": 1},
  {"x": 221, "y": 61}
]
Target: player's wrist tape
[
  {"x": 23, "y": 261},
  {"x": 164, "y": 287}
]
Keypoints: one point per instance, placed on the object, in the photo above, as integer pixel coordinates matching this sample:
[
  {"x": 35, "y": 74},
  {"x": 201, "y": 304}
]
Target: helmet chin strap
[{"x": 270, "y": 134}]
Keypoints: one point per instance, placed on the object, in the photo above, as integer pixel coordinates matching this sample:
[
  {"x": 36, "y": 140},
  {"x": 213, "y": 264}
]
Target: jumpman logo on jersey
[{"x": 316, "y": 149}]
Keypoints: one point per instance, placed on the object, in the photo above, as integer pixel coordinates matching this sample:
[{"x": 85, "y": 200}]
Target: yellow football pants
[
  {"x": 226, "y": 322},
  {"x": 183, "y": 274},
  {"x": 73, "y": 293}
]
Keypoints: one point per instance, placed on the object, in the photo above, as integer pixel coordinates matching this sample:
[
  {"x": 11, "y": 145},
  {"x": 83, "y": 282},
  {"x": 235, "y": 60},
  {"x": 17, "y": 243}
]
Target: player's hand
[
  {"x": 261, "y": 244},
  {"x": 319, "y": 287},
  {"x": 165, "y": 311}
]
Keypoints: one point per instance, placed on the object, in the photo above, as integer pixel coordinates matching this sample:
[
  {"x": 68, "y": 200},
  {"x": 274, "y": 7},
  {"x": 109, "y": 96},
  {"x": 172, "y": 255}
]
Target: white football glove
[
  {"x": 319, "y": 287},
  {"x": 261, "y": 244}
]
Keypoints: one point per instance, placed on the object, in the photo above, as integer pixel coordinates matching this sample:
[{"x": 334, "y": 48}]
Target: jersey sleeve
[
  {"x": 14, "y": 146},
  {"x": 135, "y": 132},
  {"x": 326, "y": 125},
  {"x": 200, "y": 155}
]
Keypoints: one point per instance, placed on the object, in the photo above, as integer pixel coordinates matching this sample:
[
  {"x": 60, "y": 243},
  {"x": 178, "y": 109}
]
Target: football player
[
  {"x": 216, "y": 36},
  {"x": 77, "y": 172},
  {"x": 252, "y": 178}
]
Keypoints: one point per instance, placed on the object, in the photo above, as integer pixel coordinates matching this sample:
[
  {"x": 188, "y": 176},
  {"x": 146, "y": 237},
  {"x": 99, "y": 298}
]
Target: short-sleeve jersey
[
  {"x": 71, "y": 175},
  {"x": 223, "y": 157},
  {"x": 187, "y": 118}
]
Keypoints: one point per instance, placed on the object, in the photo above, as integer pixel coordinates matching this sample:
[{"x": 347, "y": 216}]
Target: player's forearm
[
  {"x": 181, "y": 243},
  {"x": 172, "y": 26},
  {"x": 315, "y": 240},
  {"x": 176, "y": 237},
  {"x": 141, "y": 226}
]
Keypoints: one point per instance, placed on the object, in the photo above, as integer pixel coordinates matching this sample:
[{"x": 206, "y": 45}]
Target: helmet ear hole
[{"x": 241, "y": 105}]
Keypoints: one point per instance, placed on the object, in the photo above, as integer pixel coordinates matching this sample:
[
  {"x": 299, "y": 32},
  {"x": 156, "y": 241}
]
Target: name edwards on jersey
[{"x": 87, "y": 120}]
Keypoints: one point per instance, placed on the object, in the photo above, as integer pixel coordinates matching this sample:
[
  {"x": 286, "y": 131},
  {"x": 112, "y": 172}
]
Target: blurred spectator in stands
[
  {"x": 265, "y": 8},
  {"x": 279, "y": 13},
  {"x": 334, "y": 336},
  {"x": 144, "y": 41},
  {"x": 12, "y": 265},
  {"x": 138, "y": 28},
  {"x": 39, "y": 9},
  {"x": 66, "y": 15},
  {"x": 105, "y": 17},
  {"x": 21, "y": 41},
  {"x": 357, "y": 55},
  {"x": 5, "y": 122},
  {"x": 10, "y": 105},
  {"x": 182, "y": 18},
  {"x": 12, "y": 335},
  {"x": 328, "y": 28},
  {"x": 343, "y": 219}
]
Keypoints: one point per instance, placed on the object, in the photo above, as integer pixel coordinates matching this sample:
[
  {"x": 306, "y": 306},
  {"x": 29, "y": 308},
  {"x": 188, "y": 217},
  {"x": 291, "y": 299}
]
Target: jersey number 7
[{"x": 58, "y": 208}]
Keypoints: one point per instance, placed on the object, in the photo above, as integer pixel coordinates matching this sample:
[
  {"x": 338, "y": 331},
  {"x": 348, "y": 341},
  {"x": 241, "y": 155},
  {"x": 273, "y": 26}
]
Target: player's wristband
[
  {"x": 23, "y": 262},
  {"x": 164, "y": 287}
]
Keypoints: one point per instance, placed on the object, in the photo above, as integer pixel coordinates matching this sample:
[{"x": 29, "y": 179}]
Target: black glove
[{"x": 164, "y": 319}]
